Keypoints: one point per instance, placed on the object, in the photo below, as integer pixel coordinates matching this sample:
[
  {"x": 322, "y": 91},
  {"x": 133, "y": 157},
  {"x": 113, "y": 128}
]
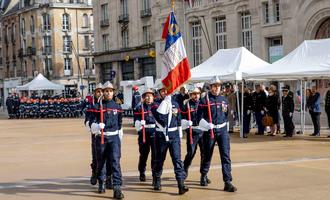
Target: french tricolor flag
[{"x": 175, "y": 69}]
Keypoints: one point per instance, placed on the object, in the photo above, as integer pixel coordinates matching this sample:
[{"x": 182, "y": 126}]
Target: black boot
[
  {"x": 93, "y": 179},
  {"x": 157, "y": 184},
  {"x": 204, "y": 181},
  {"x": 101, "y": 188},
  {"x": 229, "y": 187},
  {"x": 182, "y": 188},
  {"x": 108, "y": 183},
  {"x": 117, "y": 194},
  {"x": 142, "y": 177}
]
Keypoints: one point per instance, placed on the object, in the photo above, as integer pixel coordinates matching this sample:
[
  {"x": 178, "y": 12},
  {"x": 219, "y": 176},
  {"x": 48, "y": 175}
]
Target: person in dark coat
[
  {"x": 287, "y": 112},
  {"x": 327, "y": 105},
  {"x": 181, "y": 97},
  {"x": 314, "y": 107},
  {"x": 272, "y": 109},
  {"x": 10, "y": 106},
  {"x": 259, "y": 97},
  {"x": 136, "y": 100}
]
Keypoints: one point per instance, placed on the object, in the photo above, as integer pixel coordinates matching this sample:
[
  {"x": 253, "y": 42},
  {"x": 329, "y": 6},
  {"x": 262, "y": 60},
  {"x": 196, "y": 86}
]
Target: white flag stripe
[{"x": 174, "y": 54}]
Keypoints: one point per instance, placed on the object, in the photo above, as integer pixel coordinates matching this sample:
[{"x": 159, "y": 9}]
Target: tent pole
[
  {"x": 242, "y": 110},
  {"x": 301, "y": 107},
  {"x": 305, "y": 99},
  {"x": 237, "y": 103}
]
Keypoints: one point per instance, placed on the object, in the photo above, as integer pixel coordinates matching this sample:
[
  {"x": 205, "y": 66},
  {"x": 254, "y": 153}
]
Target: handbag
[{"x": 267, "y": 120}]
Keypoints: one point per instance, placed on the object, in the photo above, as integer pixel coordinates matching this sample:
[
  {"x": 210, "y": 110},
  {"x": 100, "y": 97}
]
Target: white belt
[
  {"x": 108, "y": 133},
  {"x": 220, "y": 125},
  {"x": 169, "y": 129},
  {"x": 150, "y": 126}
]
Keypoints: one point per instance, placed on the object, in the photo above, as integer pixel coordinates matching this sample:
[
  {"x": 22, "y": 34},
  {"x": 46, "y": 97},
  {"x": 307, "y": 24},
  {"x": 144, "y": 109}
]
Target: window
[
  {"x": 197, "y": 43},
  {"x": 105, "y": 42},
  {"x": 127, "y": 70},
  {"x": 67, "y": 63},
  {"x": 146, "y": 34},
  {"x": 65, "y": 22},
  {"x": 197, "y": 3},
  {"x": 32, "y": 25},
  {"x": 146, "y": 4},
  {"x": 265, "y": 12},
  {"x": 33, "y": 42},
  {"x": 13, "y": 32},
  {"x": 86, "y": 42},
  {"x": 87, "y": 64},
  {"x": 48, "y": 65},
  {"x": 276, "y": 6},
  {"x": 220, "y": 33},
  {"x": 24, "y": 45},
  {"x": 67, "y": 44},
  {"x": 47, "y": 45},
  {"x": 33, "y": 66},
  {"x": 85, "y": 21},
  {"x": 91, "y": 25},
  {"x": 125, "y": 38},
  {"x": 23, "y": 27},
  {"x": 46, "y": 22},
  {"x": 104, "y": 12},
  {"x": 124, "y": 7},
  {"x": 246, "y": 31}
]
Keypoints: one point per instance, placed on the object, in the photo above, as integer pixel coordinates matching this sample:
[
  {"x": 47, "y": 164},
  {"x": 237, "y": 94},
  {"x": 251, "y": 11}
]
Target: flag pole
[{"x": 172, "y": 4}]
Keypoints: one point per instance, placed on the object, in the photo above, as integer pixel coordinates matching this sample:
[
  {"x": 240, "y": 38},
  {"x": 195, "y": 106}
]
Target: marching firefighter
[
  {"x": 145, "y": 125},
  {"x": 190, "y": 123},
  {"x": 90, "y": 106},
  {"x": 213, "y": 111},
  {"x": 168, "y": 137},
  {"x": 108, "y": 143}
]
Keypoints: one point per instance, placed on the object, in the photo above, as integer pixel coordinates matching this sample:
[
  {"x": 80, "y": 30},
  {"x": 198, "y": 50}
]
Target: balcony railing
[
  {"x": 123, "y": 18},
  {"x": 47, "y": 50},
  {"x": 146, "y": 13},
  {"x": 104, "y": 22}
]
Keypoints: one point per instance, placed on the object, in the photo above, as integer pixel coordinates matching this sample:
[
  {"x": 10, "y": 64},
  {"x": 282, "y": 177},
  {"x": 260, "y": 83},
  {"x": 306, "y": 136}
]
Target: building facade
[{"x": 52, "y": 37}]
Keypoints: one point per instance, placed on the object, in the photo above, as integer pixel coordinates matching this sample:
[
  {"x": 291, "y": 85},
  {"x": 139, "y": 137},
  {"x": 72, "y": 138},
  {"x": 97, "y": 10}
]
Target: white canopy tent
[
  {"x": 40, "y": 83},
  {"x": 228, "y": 64},
  {"x": 310, "y": 60}
]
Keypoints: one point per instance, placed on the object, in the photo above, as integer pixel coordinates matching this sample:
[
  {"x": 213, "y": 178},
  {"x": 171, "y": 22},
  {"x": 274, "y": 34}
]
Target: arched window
[
  {"x": 85, "y": 21},
  {"x": 65, "y": 22},
  {"x": 324, "y": 30},
  {"x": 91, "y": 21}
]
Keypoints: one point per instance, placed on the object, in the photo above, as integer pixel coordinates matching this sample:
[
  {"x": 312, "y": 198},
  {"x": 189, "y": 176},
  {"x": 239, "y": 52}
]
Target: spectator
[
  {"x": 327, "y": 105},
  {"x": 259, "y": 97},
  {"x": 272, "y": 109},
  {"x": 314, "y": 107}
]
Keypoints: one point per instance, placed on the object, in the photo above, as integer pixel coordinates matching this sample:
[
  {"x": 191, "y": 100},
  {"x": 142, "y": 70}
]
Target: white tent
[
  {"x": 40, "y": 83},
  {"x": 228, "y": 64},
  {"x": 310, "y": 60}
]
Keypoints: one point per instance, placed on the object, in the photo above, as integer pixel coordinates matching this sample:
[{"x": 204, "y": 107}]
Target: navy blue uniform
[
  {"x": 287, "y": 108},
  {"x": 247, "y": 109},
  {"x": 197, "y": 134},
  {"x": 259, "y": 100},
  {"x": 173, "y": 144},
  {"x": 144, "y": 148},
  {"x": 136, "y": 100},
  {"x": 219, "y": 113},
  {"x": 110, "y": 151}
]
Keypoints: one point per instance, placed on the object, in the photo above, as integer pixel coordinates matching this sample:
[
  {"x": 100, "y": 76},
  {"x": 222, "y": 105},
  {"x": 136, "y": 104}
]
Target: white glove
[
  {"x": 291, "y": 114},
  {"x": 95, "y": 128},
  {"x": 184, "y": 124},
  {"x": 101, "y": 125},
  {"x": 190, "y": 123},
  {"x": 87, "y": 127},
  {"x": 262, "y": 112},
  {"x": 180, "y": 132},
  {"x": 203, "y": 125},
  {"x": 248, "y": 112},
  {"x": 168, "y": 98},
  {"x": 143, "y": 122},
  {"x": 121, "y": 134},
  {"x": 138, "y": 125},
  {"x": 210, "y": 126},
  {"x": 232, "y": 112}
]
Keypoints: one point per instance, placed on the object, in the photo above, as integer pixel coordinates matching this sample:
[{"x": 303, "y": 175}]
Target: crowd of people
[{"x": 43, "y": 107}]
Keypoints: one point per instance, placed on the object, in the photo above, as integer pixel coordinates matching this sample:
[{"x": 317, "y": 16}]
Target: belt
[
  {"x": 220, "y": 125},
  {"x": 169, "y": 129},
  {"x": 150, "y": 126},
  {"x": 108, "y": 133}
]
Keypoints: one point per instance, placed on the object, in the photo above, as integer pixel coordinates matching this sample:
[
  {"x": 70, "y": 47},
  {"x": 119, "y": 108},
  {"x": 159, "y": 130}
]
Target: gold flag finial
[{"x": 172, "y": 3}]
